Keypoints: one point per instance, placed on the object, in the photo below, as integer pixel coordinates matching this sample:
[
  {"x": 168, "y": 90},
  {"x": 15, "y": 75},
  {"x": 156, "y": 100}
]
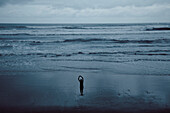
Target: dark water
[{"x": 99, "y": 48}]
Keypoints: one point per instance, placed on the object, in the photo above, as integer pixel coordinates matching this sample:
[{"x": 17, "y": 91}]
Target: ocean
[{"x": 142, "y": 49}]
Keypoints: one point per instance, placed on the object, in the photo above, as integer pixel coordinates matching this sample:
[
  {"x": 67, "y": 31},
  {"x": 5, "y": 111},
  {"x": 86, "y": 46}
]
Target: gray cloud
[
  {"x": 85, "y": 11},
  {"x": 82, "y": 4},
  {"x": 5, "y": 2}
]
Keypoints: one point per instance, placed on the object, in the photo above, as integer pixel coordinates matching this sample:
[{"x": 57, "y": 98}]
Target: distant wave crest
[
  {"x": 12, "y": 27},
  {"x": 100, "y": 40},
  {"x": 119, "y": 41},
  {"x": 46, "y": 27},
  {"x": 15, "y": 34},
  {"x": 160, "y": 28}
]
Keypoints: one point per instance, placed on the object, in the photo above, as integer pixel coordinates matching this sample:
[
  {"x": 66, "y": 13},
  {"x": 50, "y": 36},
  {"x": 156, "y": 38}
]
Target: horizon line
[{"x": 84, "y": 23}]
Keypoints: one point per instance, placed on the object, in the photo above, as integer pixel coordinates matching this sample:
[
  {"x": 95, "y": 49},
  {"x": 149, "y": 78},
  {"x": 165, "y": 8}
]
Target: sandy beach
[{"x": 59, "y": 92}]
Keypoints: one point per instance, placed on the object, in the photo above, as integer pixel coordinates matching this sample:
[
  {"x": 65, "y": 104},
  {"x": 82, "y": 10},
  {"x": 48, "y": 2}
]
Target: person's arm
[{"x": 80, "y": 77}]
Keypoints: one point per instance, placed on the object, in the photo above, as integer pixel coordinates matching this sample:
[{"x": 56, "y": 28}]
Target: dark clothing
[{"x": 81, "y": 84}]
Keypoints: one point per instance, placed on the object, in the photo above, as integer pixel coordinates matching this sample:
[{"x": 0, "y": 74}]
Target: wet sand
[{"x": 50, "y": 92}]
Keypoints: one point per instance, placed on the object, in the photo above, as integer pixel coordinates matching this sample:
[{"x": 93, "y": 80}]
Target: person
[{"x": 81, "y": 80}]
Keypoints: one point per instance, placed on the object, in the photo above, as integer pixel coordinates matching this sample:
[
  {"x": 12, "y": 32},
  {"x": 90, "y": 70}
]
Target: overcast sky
[{"x": 84, "y": 11}]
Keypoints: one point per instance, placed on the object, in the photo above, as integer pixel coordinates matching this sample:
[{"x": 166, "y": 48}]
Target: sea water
[{"x": 97, "y": 48}]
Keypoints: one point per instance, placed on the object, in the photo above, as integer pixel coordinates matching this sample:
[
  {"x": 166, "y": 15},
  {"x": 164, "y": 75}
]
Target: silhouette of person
[{"x": 81, "y": 80}]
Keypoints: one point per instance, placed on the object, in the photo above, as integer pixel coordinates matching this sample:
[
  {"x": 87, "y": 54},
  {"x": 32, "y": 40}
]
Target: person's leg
[{"x": 81, "y": 91}]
